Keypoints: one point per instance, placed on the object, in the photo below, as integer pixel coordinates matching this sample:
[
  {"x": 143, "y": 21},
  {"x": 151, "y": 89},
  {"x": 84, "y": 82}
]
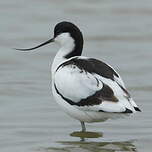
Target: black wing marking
[
  {"x": 92, "y": 66},
  {"x": 125, "y": 112},
  {"x": 105, "y": 93},
  {"x": 125, "y": 91}
]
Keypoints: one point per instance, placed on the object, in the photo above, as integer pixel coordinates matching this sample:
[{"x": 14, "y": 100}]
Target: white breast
[{"x": 70, "y": 79}]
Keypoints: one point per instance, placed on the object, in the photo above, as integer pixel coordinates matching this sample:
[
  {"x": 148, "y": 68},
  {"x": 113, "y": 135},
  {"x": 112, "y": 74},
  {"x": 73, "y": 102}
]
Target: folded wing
[{"x": 92, "y": 85}]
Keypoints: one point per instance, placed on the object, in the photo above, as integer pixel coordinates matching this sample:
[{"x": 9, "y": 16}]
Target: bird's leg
[{"x": 83, "y": 126}]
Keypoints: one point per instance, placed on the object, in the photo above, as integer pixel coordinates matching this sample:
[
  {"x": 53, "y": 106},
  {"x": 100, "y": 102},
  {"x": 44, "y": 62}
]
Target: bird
[{"x": 86, "y": 88}]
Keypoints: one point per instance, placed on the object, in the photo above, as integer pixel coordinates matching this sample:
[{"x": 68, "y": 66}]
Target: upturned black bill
[{"x": 49, "y": 41}]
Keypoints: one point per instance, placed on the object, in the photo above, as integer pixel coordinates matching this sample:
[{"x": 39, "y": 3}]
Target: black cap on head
[
  {"x": 74, "y": 31},
  {"x": 68, "y": 27}
]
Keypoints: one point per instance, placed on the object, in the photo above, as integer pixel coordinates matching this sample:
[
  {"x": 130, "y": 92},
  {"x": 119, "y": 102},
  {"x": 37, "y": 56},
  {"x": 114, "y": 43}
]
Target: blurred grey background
[{"x": 118, "y": 32}]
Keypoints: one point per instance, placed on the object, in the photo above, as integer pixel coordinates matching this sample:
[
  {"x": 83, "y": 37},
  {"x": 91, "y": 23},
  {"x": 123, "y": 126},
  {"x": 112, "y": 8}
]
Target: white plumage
[
  {"x": 76, "y": 85},
  {"x": 87, "y": 89}
]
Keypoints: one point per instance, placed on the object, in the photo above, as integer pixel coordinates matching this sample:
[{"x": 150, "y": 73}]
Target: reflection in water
[
  {"x": 94, "y": 147},
  {"x": 84, "y": 146},
  {"x": 84, "y": 135}
]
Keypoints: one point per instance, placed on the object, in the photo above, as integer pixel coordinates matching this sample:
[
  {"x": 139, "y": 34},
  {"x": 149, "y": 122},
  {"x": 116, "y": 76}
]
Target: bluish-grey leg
[{"x": 83, "y": 126}]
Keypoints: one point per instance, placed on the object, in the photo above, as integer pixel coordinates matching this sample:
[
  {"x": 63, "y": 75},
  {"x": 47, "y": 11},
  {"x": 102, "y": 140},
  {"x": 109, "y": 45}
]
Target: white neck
[{"x": 67, "y": 45}]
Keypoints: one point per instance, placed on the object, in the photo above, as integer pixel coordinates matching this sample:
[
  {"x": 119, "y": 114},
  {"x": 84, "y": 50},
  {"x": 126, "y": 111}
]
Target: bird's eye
[{"x": 57, "y": 33}]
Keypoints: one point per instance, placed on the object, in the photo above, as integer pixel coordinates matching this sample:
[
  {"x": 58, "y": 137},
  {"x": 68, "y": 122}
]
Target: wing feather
[{"x": 92, "y": 85}]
